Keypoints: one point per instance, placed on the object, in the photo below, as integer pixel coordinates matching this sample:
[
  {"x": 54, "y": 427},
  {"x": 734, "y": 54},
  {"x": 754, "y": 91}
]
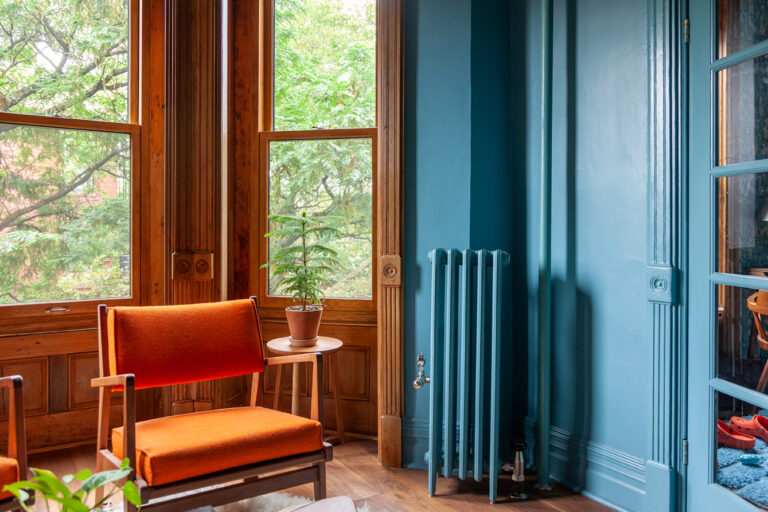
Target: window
[
  {"x": 68, "y": 138},
  {"x": 318, "y": 134}
]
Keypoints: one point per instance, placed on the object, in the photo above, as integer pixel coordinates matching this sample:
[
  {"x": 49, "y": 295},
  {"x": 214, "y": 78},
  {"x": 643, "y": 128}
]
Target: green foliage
[
  {"x": 325, "y": 64},
  {"x": 64, "y": 194},
  {"x": 325, "y": 76},
  {"x": 304, "y": 263},
  {"x": 48, "y": 487}
]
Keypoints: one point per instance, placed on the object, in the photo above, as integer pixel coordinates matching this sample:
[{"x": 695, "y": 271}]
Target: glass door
[{"x": 728, "y": 321}]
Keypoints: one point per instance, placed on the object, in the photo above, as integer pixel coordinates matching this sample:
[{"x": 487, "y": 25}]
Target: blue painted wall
[
  {"x": 601, "y": 351},
  {"x": 460, "y": 191},
  {"x": 472, "y": 164}
]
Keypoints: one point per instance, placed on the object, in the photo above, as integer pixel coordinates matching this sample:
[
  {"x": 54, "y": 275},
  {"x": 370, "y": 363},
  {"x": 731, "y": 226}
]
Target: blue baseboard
[
  {"x": 610, "y": 476},
  {"x": 607, "y": 475}
]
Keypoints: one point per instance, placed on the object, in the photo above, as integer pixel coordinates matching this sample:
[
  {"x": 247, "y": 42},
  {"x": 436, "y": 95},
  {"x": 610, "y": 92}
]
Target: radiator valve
[{"x": 421, "y": 379}]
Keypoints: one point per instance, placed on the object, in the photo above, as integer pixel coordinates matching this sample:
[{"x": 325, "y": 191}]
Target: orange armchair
[
  {"x": 177, "y": 457},
  {"x": 13, "y": 467}
]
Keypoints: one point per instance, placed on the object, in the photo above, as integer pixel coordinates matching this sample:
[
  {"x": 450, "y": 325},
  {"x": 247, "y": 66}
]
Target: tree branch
[{"x": 12, "y": 219}]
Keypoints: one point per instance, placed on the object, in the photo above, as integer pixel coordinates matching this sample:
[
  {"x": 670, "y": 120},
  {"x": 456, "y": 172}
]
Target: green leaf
[
  {"x": 97, "y": 480},
  {"x": 131, "y": 493}
]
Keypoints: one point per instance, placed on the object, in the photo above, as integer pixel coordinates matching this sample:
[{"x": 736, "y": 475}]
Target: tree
[
  {"x": 325, "y": 77},
  {"x": 64, "y": 194}
]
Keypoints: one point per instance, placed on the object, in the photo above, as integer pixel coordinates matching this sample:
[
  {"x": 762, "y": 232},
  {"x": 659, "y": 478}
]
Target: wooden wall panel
[
  {"x": 194, "y": 173},
  {"x": 34, "y": 371},
  {"x": 389, "y": 99},
  {"x": 83, "y": 368},
  {"x": 357, "y": 375}
]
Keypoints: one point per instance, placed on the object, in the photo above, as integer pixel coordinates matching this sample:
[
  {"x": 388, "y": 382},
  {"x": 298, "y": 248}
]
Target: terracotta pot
[{"x": 303, "y": 325}]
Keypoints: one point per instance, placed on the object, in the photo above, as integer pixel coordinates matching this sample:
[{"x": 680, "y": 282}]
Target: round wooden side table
[{"x": 327, "y": 346}]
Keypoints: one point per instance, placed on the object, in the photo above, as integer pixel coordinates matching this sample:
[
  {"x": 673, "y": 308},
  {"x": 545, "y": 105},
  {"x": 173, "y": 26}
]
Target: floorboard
[{"x": 355, "y": 472}]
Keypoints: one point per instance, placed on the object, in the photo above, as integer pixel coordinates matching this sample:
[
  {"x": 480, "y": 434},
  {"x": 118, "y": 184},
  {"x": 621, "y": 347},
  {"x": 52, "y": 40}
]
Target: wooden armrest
[
  {"x": 316, "y": 358},
  {"x": 17, "y": 441},
  {"x": 126, "y": 379},
  {"x": 293, "y": 358},
  {"x": 11, "y": 382}
]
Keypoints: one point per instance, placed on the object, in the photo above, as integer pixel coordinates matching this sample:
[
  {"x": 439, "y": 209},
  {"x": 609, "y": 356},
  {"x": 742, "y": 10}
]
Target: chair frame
[
  {"x": 244, "y": 481},
  {"x": 17, "y": 441},
  {"x": 758, "y": 312}
]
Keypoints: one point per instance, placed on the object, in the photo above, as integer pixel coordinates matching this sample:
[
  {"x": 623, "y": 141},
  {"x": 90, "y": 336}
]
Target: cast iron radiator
[{"x": 465, "y": 345}]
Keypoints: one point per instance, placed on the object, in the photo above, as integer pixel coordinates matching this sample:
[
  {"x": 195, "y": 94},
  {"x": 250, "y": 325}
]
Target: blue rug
[
  {"x": 738, "y": 475},
  {"x": 756, "y": 492},
  {"x": 749, "y": 482}
]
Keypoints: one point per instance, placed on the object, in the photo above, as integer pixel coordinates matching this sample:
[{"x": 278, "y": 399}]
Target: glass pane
[
  {"x": 65, "y": 58},
  {"x": 741, "y": 461},
  {"x": 742, "y": 117},
  {"x": 325, "y": 64},
  {"x": 741, "y": 23},
  {"x": 64, "y": 214},
  {"x": 330, "y": 180},
  {"x": 742, "y": 345},
  {"x": 742, "y": 213}
]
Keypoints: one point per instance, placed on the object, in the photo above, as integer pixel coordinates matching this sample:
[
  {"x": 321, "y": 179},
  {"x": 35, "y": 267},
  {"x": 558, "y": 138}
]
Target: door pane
[
  {"x": 741, "y": 463},
  {"x": 65, "y": 214},
  {"x": 742, "y": 112},
  {"x": 325, "y": 64},
  {"x": 742, "y": 227},
  {"x": 65, "y": 58},
  {"x": 742, "y": 343},
  {"x": 334, "y": 179},
  {"x": 741, "y": 24}
]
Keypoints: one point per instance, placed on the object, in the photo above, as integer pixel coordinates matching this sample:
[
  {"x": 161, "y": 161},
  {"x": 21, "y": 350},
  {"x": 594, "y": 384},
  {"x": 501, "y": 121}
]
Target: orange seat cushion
[
  {"x": 163, "y": 345},
  {"x": 9, "y": 473},
  {"x": 174, "y": 448}
]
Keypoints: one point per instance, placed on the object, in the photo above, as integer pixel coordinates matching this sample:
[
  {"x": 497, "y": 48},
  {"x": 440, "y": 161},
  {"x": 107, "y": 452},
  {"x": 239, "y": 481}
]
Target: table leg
[
  {"x": 337, "y": 396},
  {"x": 276, "y": 403},
  {"x": 295, "y": 390}
]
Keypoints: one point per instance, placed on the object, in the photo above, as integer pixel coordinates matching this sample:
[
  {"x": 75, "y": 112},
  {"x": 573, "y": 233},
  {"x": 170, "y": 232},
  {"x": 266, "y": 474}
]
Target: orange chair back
[{"x": 164, "y": 345}]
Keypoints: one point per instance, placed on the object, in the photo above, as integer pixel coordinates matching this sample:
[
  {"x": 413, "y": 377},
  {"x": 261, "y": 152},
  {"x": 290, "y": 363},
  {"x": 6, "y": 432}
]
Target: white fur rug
[{"x": 275, "y": 502}]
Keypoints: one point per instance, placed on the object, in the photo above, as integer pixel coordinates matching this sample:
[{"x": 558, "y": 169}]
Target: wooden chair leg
[
  {"x": 763, "y": 379},
  {"x": 320, "y": 484},
  {"x": 276, "y": 402},
  {"x": 100, "y": 466}
]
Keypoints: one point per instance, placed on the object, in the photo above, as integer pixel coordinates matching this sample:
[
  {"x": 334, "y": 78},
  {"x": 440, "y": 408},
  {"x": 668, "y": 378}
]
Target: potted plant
[
  {"x": 49, "y": 488},
  {"x": 301, "y": 265}
]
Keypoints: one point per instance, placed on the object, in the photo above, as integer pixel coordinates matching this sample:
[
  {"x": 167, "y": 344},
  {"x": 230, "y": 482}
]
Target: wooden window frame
[
  {"x": 268, "y": 134},
  {"x": 244, "y": 121},
  {"x": 77, "y": 314}
]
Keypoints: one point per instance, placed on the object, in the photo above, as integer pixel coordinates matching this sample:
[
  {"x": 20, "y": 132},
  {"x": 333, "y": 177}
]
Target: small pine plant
[
  {"x": 49, "y": 488},
  {"x": 303, "y": 265}
]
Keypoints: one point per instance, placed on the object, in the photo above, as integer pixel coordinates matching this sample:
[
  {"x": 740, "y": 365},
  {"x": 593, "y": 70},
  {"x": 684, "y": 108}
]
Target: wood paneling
[
  {"x": 390, "y": 204},
  {"x": 83, "y": 368},
  {"x": 194, "y": 175},
  {"x": 357, "y": 373},
  {"x": 34, "y": 371}
]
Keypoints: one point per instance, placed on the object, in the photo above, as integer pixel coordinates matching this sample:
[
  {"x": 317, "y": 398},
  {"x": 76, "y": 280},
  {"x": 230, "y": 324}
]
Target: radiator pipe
[{"x": 545, "y": 246}]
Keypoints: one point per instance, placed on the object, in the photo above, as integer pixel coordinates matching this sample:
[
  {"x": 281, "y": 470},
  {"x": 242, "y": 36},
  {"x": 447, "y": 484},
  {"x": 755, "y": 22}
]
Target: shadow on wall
[{"x": 572, "y": 311}]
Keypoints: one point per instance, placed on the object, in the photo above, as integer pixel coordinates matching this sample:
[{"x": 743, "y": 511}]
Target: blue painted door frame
[{"x": 703, "y": 493}]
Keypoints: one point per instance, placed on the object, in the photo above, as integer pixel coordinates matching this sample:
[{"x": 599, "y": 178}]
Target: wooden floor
[{"x": 355, "y": 472}]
